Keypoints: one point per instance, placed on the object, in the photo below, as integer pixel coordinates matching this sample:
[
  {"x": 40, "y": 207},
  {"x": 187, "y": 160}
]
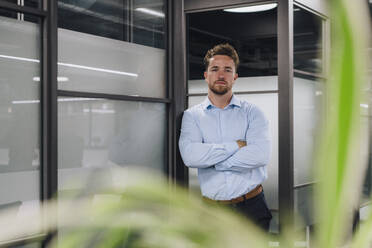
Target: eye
[{"x": 228, "y": 70}]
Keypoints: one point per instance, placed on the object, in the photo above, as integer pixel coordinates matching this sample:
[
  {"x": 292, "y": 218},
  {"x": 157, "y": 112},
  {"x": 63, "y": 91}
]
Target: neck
[{"x": 220, "y": 101}]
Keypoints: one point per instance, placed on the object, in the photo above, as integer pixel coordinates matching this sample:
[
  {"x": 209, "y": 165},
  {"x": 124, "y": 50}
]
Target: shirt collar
[{"x": 234, "y": 102}]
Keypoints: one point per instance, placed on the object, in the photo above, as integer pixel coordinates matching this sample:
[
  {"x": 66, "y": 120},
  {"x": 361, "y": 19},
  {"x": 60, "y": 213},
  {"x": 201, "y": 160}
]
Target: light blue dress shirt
[{"x": 208, "y": 142}]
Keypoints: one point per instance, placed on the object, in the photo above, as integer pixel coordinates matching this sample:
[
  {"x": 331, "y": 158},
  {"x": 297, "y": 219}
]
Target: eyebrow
[{"x": 216, "y": 66}]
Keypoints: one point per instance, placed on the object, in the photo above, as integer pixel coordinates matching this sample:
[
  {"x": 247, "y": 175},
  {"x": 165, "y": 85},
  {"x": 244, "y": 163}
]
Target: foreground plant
[
  {"x": 140, "y": 210},
  {"x": 339, "y": 163}
]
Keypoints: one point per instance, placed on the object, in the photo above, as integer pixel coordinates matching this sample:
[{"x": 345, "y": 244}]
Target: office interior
[{"x": 99, "y": 84}]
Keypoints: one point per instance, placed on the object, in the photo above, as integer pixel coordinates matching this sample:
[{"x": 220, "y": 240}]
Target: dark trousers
[{"x": 256, "y": 210}]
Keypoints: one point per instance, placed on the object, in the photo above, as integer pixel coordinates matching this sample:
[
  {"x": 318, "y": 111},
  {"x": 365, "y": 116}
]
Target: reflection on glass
[
  {"x": 96, "y": 64},
  {"x": 274, "y": 223},
  {"x": 138, "y": 21},
  {"x": 308, "y": 98},
  {"x": 31, "y": 3},
  {"x": 19, "y": 117},
  {"x": 100, "y": 134},
  {"x": 148, "y": 23},
  {"x": 365, "y": 212},
  {"x": 308, "y": 102},
  {"x": 367, "y": 186},
  {"x": 27, "y": 3},
  {"x": 10, "y": 14},
  {"x": 308, "y": 91},
  {"x": 366, "y": 114},
  {"x": 304, "y": 211},
  {"x": 114, "y": 47},
  {"x": 365, "y": 153},
  {"x": 11, "y": 1},
  {"x": 307, "y": 41}
]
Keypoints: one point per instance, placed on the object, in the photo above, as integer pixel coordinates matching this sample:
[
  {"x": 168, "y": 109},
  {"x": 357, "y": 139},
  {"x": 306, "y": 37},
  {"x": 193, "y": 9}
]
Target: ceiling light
[
  {"x": 26, "y": 101},
  {"x": 98, "y": 69},
  {"x": 363, "y": 105},
  {"x": 72, "y": 99},
  {"x": 151, "y": 12},
  {"x": 100, "y": 111},
  {"x": 59, "y": 79},
  {"x": 62, "y": 79},
  {"x": 250, "y": 9},
  {"x": 78, "y": 99},
  {"x": 19, "y": 58},
  {"x": 71, "y": 65}
]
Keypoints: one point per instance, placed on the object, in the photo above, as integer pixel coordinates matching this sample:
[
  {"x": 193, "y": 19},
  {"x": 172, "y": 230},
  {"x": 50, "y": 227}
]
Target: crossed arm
[
  {"x": 195, "y": 153},
  {"x": 229, "y": 156}
]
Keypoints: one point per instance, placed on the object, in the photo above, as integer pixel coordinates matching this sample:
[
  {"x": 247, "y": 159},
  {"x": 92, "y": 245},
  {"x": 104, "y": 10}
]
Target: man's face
[{"x": 221, "y": 74}]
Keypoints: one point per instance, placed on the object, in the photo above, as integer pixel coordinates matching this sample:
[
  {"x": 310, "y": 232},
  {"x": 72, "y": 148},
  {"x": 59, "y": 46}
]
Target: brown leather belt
[{"x": 254, "y": 192}]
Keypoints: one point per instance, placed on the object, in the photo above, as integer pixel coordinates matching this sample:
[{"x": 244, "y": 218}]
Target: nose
[{"x": 221, "y": 74}]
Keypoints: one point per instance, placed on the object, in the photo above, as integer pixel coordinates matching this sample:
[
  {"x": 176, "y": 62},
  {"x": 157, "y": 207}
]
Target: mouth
[{"x": 220, "y": 82}]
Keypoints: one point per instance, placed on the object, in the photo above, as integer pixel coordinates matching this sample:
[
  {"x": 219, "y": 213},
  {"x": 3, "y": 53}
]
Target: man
[{"x": 228, "y": 140}]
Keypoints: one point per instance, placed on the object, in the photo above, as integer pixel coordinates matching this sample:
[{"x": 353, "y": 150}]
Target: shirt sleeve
[
  {"x": 257, "y": 152},
  {"x": 194, "y": 152}
]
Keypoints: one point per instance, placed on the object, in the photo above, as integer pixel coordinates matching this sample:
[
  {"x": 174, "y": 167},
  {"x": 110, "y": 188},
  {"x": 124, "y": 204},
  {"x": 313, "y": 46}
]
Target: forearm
[
  {"x": 252, "y": 156},
  {"x": 257, "y": 151},
  {"x": 203, "y": 155},
  {"x": 195, "y": 152}
]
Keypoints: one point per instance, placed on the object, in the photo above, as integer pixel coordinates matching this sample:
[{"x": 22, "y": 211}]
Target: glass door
[{"x": 308, "y": 102}]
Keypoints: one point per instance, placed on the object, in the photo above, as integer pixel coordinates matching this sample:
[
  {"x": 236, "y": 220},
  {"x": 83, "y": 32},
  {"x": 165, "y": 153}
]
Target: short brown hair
[{"x": 222, "y": 49}]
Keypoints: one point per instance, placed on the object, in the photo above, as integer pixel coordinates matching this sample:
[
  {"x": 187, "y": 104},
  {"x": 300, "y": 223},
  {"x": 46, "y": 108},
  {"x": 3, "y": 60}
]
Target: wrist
[{"x": 241, "y": 143}]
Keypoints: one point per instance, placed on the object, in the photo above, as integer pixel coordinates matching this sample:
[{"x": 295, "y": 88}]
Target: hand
[{"x": 241, "y": 143}]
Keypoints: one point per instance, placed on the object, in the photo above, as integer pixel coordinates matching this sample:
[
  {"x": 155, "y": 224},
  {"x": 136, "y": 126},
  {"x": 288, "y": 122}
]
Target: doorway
[{"x": 253, "y": 33}]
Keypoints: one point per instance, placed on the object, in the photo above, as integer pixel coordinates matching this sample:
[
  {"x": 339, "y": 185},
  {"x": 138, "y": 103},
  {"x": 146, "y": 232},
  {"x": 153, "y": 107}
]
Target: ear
[
  {"x": 205, "y": 75},
  {"x": 236, "y": 76}
]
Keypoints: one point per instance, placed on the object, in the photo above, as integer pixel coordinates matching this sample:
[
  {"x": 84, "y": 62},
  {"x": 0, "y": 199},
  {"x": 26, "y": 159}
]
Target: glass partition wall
[
  {"x": 110, "y": 97},
  {"x": 112, "y": 87},
  {"x": 366, "y": 118},
  {"x": 112, "y": 91},
  {"x": 308, "y": 102},
  {"x": 20, "y": 114}
]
